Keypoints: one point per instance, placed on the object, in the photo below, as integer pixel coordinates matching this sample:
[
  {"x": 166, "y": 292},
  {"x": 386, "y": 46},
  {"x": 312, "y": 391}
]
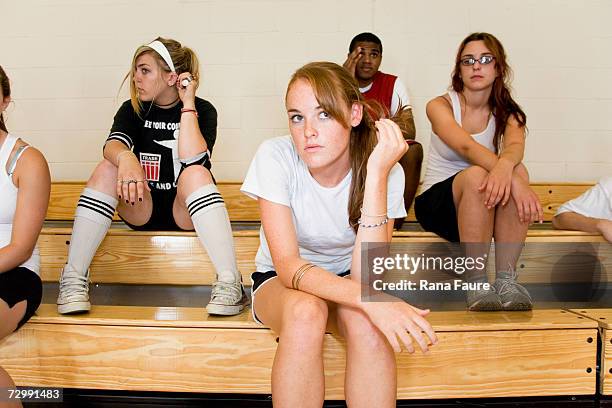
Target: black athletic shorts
[
  {"x": 21, "y": 284},
  {"x": 435, "y": 210},
  {"x": 259, "y": 278},
  {"x": 162, "y": 218}
]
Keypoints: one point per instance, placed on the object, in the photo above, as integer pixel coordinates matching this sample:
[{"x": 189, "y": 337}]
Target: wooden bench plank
[
  {"x": 602, "y": 316},
  {"x": 177, "y": 258},
  {"x": 146, "y": 259},
  {"x": 65, "y": 195},
  {"x": 193, "y": 317},
  {"x": 500, "y": 358}
]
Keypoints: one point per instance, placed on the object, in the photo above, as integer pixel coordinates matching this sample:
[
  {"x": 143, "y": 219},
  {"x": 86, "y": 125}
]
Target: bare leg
[
  {"x": 93, "y": 218},
  {"x": 198, "y": 205},
  {"x": 192, "y": 178},
  {"x": 510, "y": 236},
  {"x": 9, "y": 318},
  {"x": 476, "y": 223},
  {"x": 411, "y": 163},
  {"x": 300, "y": 319},
  {"x": 371, "y": 373}
]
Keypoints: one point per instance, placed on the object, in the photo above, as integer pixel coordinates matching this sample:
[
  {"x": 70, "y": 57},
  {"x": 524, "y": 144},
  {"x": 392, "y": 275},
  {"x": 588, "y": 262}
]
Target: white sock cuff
[
  {"x": 96, "y": 206},
  {"x": 203, "y": 200}
]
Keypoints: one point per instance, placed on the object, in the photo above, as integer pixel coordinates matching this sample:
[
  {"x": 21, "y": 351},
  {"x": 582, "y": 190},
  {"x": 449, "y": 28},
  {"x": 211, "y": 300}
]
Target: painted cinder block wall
[{"x": 67, "y": 58}]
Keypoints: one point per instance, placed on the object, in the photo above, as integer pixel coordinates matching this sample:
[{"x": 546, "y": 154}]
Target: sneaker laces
[
  {"x": 73, "y": 283},
  {"x": 230, "y": 292},
  {"x": 509, "y": 285}
]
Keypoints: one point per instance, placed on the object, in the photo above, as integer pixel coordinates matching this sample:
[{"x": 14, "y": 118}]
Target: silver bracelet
[{"x": 380, "y": 224}]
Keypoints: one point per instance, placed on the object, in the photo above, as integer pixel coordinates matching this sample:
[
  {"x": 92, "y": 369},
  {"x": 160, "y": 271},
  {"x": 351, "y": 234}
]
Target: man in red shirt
[{"x": 363, "y": 62}]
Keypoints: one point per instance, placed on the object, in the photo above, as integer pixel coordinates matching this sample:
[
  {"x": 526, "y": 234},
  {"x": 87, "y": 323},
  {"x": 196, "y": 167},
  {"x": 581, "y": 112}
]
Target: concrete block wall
[{"x": 67, "y": 58}]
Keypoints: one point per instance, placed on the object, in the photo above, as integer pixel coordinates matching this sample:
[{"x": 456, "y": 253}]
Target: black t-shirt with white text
[{"x": 153, "y": 137}]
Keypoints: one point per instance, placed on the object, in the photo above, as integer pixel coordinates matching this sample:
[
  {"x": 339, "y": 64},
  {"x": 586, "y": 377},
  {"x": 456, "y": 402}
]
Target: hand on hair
[
  {"x": 397, "y": 319},
  {"x": 351, "y": 61},
  {"x": 187, "y": 93},
  {"x": 390, "y": 147}
]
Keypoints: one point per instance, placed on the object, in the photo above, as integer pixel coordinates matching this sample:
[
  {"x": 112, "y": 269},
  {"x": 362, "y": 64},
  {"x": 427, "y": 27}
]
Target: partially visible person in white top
[
  {"x": 332, "y": 185},
  {"x": 25, "y": 185},
  {"x": 476, "y": 187},
  {"x": 590, "y": 212}
]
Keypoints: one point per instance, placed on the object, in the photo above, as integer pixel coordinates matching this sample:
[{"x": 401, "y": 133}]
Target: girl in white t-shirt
[
  {"x": 25, "y": 185},
  {"x": 332, "y": 185},
  {"x": 476, "y": 186}
]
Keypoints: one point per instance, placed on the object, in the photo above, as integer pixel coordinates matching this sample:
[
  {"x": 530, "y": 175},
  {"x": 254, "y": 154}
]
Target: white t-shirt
[
  {"x": 442, "y": 161},
  {"x": 594, "y": 203},
  {"x": 400, "y": 94},
  {"x": 320, "y": 214}
]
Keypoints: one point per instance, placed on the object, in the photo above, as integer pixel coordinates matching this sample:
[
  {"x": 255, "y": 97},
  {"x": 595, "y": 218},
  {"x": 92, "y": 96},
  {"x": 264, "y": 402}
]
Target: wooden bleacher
[
  {"x": 544, "y": 352},
  {"x": 603, "y": 317},
  {"x": 539, "y": 353},
  {"x": 65, "y": 195}
]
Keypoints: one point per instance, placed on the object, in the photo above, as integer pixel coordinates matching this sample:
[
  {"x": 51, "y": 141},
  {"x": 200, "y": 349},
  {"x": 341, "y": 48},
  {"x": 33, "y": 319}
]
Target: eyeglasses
[{"x": 483, "y": 60}]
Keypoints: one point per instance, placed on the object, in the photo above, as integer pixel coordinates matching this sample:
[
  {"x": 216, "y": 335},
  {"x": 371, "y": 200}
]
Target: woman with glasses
[{"x": 476, "y": 187}]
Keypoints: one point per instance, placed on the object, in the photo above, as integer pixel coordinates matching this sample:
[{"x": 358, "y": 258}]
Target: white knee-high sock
[
  {"x": 211, "y": 221},
  {"x": 93, "y": 217}
]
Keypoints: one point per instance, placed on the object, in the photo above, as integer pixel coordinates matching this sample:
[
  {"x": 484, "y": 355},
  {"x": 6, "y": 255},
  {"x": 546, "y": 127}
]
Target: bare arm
[
  {"x": 443, "y": 124},
  {"x": 128, "y": 168},
  {"x": 190, "y": 142},
  {"x": 395, "y": 319},
  {"x": 282, "y": 240},
  {"x": 33, "y": 181},
  {"x": 578, "y": 222}
]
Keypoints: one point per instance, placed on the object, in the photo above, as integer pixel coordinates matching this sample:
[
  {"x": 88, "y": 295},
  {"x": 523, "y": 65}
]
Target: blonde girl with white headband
[{"x": 156, "y": 173}]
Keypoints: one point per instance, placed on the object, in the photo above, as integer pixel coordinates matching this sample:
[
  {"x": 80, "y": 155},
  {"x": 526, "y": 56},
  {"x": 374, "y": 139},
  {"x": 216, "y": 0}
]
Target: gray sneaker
[
  {"x": 483, "y": 300},
  {"x": 73, "y": 292},
  {"x": 513, "y": 296},
  {"x": 227, "y": 299}
]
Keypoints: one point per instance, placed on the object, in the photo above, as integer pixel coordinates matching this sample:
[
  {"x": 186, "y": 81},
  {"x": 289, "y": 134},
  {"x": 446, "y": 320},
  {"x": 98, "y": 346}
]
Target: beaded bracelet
[
  {"x": 380, "y": 224},
  {"x": 372, "y": 215},
  {"x": 186, "y": 110}
]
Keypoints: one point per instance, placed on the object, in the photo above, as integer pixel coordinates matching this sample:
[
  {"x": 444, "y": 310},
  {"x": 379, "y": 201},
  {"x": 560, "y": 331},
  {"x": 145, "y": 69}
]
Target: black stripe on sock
[
  {"x": 96, "y": 209},
  {"x": 202, "y": 206},
  {"x": 98, "y": 203},
  {"x": 212, "y": 196}
]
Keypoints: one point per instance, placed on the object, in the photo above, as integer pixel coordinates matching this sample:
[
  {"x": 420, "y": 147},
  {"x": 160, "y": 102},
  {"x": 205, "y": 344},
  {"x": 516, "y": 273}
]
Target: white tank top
[
  {"x": 9, "y": 200},
  {"x": 443, "y": 161}
]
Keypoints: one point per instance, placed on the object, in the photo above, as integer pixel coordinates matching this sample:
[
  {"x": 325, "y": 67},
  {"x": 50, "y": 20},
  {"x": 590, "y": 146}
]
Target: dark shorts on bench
[{"x": 21, "y": 284}]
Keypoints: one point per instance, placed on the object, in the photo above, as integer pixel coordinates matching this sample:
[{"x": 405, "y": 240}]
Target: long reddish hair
[
  {"x": 501, "y": 103},
  {"x": 5, "y": 87},
  {"x": 336, "y": 91}
]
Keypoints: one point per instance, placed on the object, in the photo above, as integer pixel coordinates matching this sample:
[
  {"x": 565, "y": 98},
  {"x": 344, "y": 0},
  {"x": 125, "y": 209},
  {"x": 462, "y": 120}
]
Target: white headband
[{"x": 161, "y": 49}]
